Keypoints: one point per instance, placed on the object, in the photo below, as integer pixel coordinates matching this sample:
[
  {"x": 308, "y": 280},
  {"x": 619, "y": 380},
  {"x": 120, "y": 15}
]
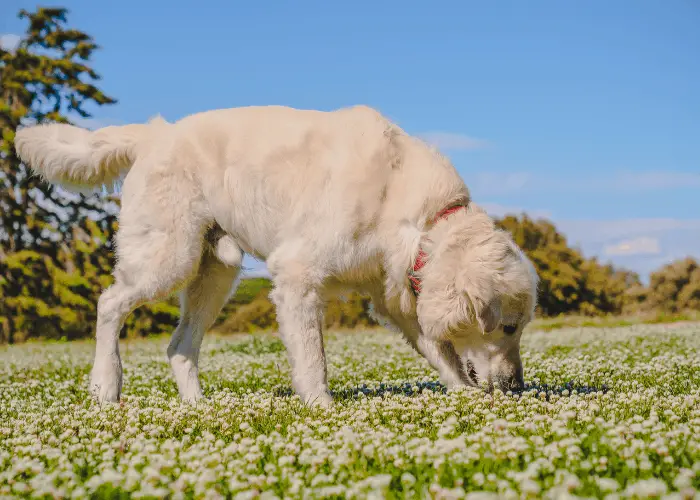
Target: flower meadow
[{"x": 608, "y": 413}]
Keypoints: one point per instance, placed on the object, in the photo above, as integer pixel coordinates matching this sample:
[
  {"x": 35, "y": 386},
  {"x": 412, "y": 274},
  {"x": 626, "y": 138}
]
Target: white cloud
[
  {"x": 641, "y": 245},
  {"x": 9, "y": 41},
  {"x": 638, "y": 246},
  {"x": 601, "y": 231},
  {"x": 452, "y": 141}
]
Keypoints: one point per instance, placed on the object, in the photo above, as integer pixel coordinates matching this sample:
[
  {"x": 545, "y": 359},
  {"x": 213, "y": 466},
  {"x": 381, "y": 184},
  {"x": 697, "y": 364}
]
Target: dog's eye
[{"x": 509, "y": 329}]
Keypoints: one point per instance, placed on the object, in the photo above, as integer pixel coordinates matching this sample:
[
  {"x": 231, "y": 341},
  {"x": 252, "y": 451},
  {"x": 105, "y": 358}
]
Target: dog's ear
[
  {"x": 488, "y": 314},
  {"x": 480, "y": 288},
  {"x": 442, "y": 309}
]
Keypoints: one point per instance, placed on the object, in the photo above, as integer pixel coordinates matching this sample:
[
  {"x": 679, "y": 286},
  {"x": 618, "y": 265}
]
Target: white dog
[{"x": 330, "y": 200}]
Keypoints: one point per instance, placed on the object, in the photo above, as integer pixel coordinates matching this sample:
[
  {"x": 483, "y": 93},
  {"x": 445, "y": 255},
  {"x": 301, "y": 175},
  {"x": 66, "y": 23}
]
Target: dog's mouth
[{"x": 490, "y": 385}]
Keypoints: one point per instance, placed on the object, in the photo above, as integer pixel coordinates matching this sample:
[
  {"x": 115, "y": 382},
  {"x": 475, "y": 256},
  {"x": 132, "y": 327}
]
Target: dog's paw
[
  {"x": 194, "y": 398},
  {"x": 104, "y": 392},
  {"x": 106, "y": 383},
  {"x": 322, "y": 400}
]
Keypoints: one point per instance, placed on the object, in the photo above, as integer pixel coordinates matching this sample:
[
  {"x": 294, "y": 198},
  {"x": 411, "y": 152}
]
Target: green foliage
[
  {"x": 249, "y": 289},
  {"x": 558, "y": 265},
  {"x": 257, "y": 315},
  {"x": 351, "y": 312},
  {"x": 251, "y": 310},
  {"x": 569, "y": 283},
  {"x": 675, "y": 287},
  {"x": 46, "y": 300}
]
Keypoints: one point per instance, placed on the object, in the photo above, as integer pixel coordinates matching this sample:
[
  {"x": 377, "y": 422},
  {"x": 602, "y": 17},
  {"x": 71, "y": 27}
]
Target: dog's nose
[{"x": 514, "y": 384}]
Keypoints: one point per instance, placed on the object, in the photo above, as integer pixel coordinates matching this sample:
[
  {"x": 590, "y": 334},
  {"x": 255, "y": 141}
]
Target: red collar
[{"x": 422, "y": 257}]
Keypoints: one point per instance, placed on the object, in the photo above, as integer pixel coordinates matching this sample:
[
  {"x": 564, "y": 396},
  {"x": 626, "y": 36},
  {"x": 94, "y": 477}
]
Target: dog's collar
[{"x": 422, "y": 257}]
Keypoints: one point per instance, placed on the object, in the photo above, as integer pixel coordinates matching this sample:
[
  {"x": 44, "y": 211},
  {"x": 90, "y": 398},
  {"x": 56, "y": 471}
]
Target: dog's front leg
[
  {"x": 440, "y": 354},
  {"x": 299, "y": 313}
]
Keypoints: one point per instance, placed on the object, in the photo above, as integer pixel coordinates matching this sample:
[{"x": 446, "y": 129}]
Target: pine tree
[{"x": 55, "y": 247}]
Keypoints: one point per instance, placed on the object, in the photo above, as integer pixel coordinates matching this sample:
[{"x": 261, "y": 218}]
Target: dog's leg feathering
[
  {"x": 299, "y": 312},
  {"x": 106, "y": 377}
]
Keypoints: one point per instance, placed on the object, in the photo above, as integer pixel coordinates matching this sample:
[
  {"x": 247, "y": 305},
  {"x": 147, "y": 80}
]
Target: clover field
[{"x": 608, "y": 413}]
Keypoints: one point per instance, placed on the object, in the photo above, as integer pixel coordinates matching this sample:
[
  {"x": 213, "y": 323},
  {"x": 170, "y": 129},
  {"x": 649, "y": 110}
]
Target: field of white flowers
[{"x": 610, "y": 413}]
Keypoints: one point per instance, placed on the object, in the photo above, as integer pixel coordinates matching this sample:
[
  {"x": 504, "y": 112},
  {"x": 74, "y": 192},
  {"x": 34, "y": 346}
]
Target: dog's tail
[{"x": 81, "y": 159}]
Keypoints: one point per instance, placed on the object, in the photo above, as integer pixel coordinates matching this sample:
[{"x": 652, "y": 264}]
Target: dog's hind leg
[
  {"x": 159, "y": 247},
  {"x": 200, "y": 303}
]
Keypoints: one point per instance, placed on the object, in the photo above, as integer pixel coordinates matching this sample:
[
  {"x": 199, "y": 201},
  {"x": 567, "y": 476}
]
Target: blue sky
[{"x": 587, "y": 113}]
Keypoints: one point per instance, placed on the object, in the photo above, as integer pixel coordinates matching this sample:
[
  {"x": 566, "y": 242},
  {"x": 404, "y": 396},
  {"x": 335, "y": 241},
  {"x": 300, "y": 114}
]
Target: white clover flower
[
  {"x": 541, "y": 443},
  {"x": 647, "y": 488}
]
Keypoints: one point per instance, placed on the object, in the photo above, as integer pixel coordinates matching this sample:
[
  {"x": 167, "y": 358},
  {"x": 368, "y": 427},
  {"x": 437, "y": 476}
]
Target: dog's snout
[
  {"x": 508, "y": 372},
  {"x": 514, "y": 384},
  {"x": 501, "y": 370}
]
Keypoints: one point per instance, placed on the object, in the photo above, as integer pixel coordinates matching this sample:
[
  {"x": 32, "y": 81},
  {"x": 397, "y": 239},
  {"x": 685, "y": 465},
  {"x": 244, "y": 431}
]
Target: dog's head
[{"x": 479, "y": 291}]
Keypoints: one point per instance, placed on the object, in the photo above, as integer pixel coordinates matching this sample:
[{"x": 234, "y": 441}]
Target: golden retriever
[{"x": 331, "y": 201}]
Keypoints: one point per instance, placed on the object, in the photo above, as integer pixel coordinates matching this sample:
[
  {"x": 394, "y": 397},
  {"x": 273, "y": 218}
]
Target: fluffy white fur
[{"x": 330, "y": 200}]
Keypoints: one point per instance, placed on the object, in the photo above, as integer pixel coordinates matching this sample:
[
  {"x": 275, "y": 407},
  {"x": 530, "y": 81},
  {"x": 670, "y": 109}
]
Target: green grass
[
  {"x": 572, "y": 321},
  {"x": 608, "y": 411}
]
